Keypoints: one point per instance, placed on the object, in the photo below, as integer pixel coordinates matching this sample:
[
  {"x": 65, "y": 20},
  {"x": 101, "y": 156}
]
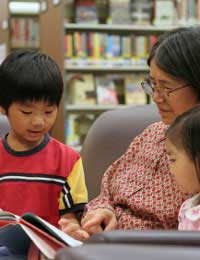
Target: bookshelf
[
  {"x": 23, "y": 24},
  {"x": 24, "y": 31},
  {"x": 4, "y": 31},
  {"x": 84, "y": 65},
  {"x": 51, "y": 42},
  {"x": 69, "y": 47}
]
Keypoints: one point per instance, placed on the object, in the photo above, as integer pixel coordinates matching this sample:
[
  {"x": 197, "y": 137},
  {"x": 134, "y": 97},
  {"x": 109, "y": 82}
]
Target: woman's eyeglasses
[{"x": 149, "y": 88}]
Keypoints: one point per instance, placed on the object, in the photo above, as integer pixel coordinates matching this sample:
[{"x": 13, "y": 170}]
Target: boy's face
[
  {"x": 29, "y": 122},
  {"x": 183, "y": 169}
]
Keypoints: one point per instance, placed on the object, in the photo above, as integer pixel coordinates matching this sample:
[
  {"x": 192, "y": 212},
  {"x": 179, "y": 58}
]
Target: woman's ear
[{"x": 3, "y": 111}]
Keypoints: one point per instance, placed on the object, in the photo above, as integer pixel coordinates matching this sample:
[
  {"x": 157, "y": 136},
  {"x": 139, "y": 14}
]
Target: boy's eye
[
  {"x": 26, "y": 112},
  {"x": 49, "y": 112}
]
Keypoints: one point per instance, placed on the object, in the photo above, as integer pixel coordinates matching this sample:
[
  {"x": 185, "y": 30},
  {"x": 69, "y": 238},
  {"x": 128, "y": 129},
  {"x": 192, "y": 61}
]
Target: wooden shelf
[
  {"x": 32, "y": 15},
  {"x": 130, "y": 68},
  {"x": 24, "y": 46},
  {"x": 118, "y": 28},
  {"x": 92, "y": 108}
]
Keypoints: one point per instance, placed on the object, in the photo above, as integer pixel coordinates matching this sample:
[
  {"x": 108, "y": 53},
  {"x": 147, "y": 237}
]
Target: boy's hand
[
  {"x": 98, "y": 220},
  {"x": 70, "y": 225}
]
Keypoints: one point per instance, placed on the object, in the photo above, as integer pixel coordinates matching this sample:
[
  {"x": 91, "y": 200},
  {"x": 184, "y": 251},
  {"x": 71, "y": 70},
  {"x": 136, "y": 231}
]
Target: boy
[{"x": 37, "y": 173}]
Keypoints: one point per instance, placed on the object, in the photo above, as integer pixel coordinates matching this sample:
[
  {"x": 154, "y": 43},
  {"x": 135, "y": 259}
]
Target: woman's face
[{"x": 176, "y": 102}]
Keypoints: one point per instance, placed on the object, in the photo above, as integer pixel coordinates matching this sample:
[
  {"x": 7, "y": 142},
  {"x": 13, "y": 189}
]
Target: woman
[{"x": 138, "y": 191}]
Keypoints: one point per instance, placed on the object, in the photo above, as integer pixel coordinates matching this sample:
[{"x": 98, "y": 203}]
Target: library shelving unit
[
  {"x": 4, "y": 30},
  {"x": 76, "y": 117},
  {"x": 80, "y": 65},
  {"x": 20, "y": 24},
  {"x": 51, "y": 42}
]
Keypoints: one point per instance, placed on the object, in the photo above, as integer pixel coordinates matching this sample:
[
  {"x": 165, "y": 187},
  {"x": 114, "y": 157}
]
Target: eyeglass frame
[{"x": 164, "y": 92}]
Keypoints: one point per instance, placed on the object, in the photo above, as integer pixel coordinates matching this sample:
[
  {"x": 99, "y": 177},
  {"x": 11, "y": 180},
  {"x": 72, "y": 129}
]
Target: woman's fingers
[{"x": 98, "y": 220}]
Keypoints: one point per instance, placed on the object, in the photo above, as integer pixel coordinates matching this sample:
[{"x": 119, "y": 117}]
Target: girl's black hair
[
  {"x": 184, "y": 134},
  {"x": 29, "y": 75},
  {"x": 177, "y": 52}
]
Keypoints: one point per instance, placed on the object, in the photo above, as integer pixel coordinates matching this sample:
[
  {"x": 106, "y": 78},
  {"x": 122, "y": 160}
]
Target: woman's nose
[{"x": 157, "y": 96}]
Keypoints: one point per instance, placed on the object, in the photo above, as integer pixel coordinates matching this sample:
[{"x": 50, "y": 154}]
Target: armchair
[
  {"x": 109, "y": 137},
  {"x": 4, "y": 125}
]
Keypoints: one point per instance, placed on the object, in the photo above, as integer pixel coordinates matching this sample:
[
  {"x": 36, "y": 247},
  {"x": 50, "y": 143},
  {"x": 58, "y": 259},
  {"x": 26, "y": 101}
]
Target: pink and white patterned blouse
[
  {"x": 139, "y": 188},
  {"x": 189, "y": 214}
]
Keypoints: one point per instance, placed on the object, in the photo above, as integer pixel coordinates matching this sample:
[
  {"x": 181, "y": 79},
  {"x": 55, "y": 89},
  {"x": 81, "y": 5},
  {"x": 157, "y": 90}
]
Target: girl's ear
[{"x": 2, "y": 111}]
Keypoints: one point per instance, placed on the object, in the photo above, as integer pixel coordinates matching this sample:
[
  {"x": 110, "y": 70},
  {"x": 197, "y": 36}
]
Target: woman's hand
[
  {"x": 70, "y": 225},
  {"x": 96, "y": 221}
]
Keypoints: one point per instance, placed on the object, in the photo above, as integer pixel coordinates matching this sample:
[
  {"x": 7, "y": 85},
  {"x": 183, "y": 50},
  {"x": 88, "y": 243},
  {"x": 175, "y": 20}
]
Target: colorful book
[
  {"x": 134, "y": 93},
  {"x": 141, "y": 11},
  {"x": 86, "y": 11},
  {"x": 165, "y": 13},
  {"x": 46, "y": 237},
  {"x": 120, "y": 12},
  {"x": 106, "y": 91},
  {"x": 83, "y": 91}
]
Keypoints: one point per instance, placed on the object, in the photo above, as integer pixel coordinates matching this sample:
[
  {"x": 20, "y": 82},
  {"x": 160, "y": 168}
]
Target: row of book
[
  {"x": 24, "y": 32},
  {"x": 108, "y": 89},
  {"x": 156, "y": 12},
  {"x": 103, "y": 90},
  {"x": 105, "y": 45},
  {"x": 76, "y": 128}
]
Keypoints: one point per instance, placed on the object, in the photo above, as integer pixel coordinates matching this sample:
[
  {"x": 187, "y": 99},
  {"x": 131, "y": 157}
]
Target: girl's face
[
  {"x": 176, "y": 102},
  {"x": 183, "y": 169}
]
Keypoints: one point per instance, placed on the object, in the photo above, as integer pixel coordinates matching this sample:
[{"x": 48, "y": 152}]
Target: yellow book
[
  {"x": 83, "y": 91},
  {"x": 134, "y": 93},
  {"x": 97, "y": 48}
]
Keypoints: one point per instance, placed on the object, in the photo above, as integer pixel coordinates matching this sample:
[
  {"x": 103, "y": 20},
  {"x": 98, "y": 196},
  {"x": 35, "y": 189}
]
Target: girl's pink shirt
[{"x": 189, "y": 214}]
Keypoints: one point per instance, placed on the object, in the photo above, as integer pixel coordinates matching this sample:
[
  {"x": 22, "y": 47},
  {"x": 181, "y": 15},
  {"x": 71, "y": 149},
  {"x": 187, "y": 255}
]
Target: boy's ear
[{"x": 2, "y": 111}]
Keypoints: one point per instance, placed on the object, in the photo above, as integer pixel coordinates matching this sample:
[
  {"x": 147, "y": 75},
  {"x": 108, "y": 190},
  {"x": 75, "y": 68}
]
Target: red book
[{"x": 47, "y": 238}]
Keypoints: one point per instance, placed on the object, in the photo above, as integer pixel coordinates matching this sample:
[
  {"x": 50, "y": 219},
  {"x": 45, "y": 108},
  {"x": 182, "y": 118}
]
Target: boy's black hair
[
  {"x": 184, "y": 134},
  {"x": 29, "y": 75},
  {"x": 177, "y": 52}
]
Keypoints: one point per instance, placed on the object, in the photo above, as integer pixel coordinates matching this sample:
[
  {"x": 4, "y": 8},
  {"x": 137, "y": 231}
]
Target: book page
[
  {"x": 66, "y": 238},
  {"x": 5, "y": 215},
  {"x": 50, "y": 229},
  {"x": 44, "y": 247},
  {"x": 41, "y": 224}
]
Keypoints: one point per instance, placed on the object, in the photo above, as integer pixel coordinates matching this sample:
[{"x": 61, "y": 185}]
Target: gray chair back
[
  {"x": 109, "y": 137},
  {"x": 4, "y": 126}
]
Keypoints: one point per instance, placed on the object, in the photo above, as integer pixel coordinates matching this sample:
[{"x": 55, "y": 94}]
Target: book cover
[
  {"x": 134, "y": 93},
  {"x": 86, "y": 11},
  {"x": 106, "y": 91},
  {"x": 164, "y": 12},
  {"x": 120, "y": 12},
  {"x": 47, "y": 238},
  {"x": 83, "y": 91},
  {"x": 72, "y": 130},
  {"x": 141, "y": 11}
]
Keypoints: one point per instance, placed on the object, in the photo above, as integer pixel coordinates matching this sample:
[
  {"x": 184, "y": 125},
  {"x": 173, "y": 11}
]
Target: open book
[{"x": 47, "y": 238}]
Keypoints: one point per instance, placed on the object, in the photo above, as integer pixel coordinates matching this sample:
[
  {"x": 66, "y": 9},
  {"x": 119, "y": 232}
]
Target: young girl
[{"x": 183, "y": 148}]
